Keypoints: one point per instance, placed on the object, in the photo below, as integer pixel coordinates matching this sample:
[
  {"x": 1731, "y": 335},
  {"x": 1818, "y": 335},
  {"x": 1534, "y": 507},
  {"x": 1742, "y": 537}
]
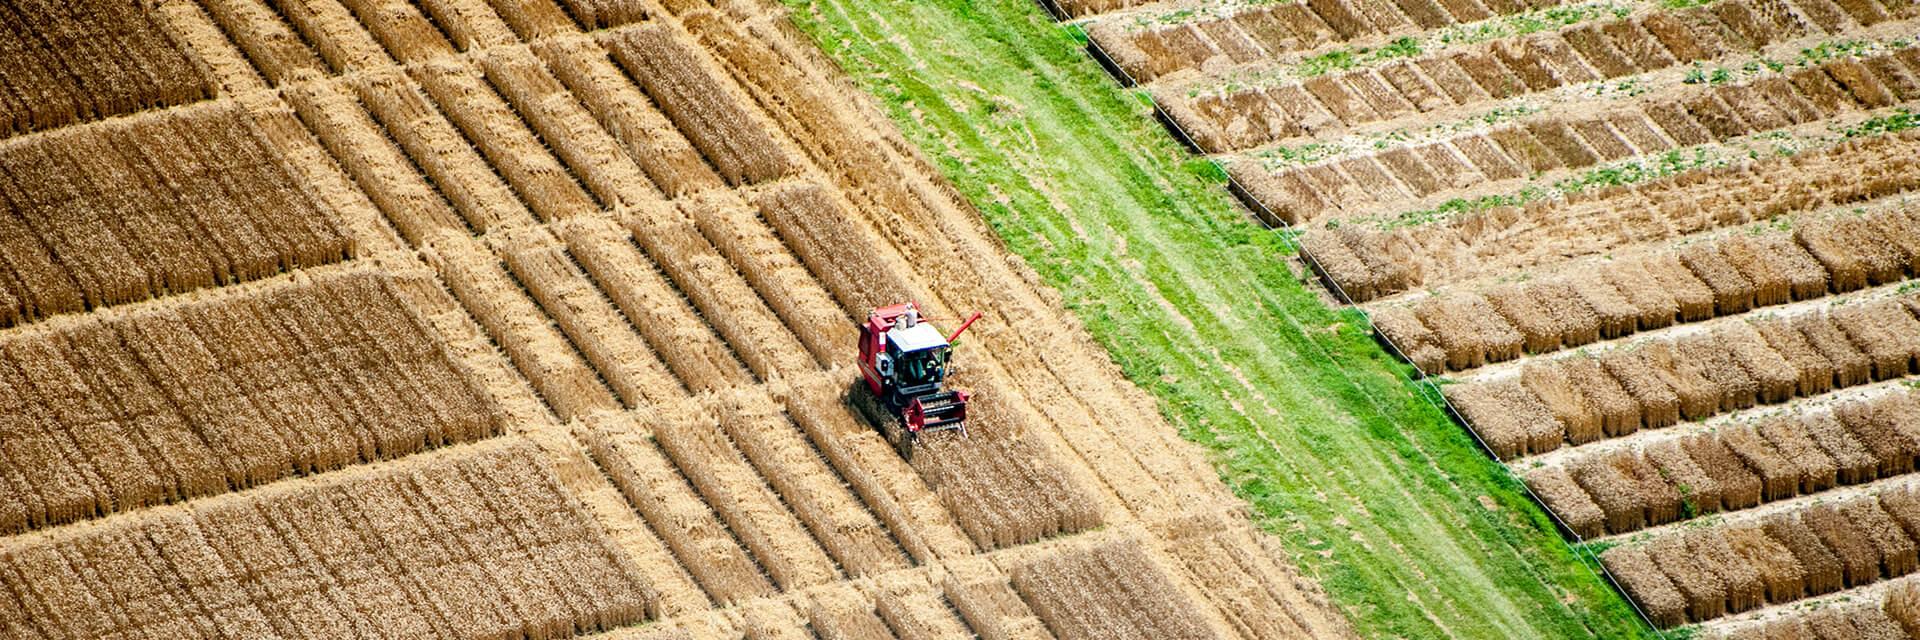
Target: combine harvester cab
[{"x": 905, "y": 362}]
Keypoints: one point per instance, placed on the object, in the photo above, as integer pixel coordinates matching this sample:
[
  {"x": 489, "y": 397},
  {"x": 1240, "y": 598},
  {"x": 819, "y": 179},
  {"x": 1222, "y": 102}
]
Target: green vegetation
[
  {"x": 1537, "y": 20},
  {"x": 1302, "y": 155},
  {"x": 1619, "y": 174},
  {"x": 1900, "y": 120},
  {"x": 1344, "y": 59},
  {"x": 1826, "y": 51},
  {"x": 1717, "y": 76},
  {"x": 1375, "y": 492}
]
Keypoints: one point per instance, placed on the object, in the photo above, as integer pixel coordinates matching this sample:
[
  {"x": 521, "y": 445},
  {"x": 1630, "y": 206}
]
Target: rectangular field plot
[
  {"x": 474, "y": 543},
  {"x": 167, "y": 403},
  {"x": 67, "y": 62},
  {"x": 133, "y": 209},
  {"x": 1113, "y": 590}
]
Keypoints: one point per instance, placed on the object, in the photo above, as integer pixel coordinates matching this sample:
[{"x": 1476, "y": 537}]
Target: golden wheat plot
[
  {"x": 402, "y": 28},
  {"x": 132, "y": 209},
  {"x": 69, "y": 62},
  {"x": 540, "y": 180},
  {"x": 696, "y": 354},
  {"x": 846, "y": 615},
  {"x": 531, "y": 339},
  {"x": 200, "y": 399},
  {"x": 473, "y": 543},
  {"x": 376, "y": 163}
]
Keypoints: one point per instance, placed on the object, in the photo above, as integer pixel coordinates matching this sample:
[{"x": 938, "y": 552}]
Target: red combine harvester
[{"x": 905, "y": 363}]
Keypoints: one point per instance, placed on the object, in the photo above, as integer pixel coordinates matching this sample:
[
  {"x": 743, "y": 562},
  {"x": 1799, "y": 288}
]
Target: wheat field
[{"x": 451, "y": 318}]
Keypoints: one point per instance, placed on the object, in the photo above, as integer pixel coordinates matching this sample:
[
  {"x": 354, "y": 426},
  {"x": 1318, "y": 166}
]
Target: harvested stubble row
[
  {"x": 67, "y": 62},
  {"x": 1109, "y": 590},
  {"x": 131, "y": 209},
  {"x": 1735, "y": 466},
  {"x": 1238, "y": 118},
  {"x": 1369, "y": 264},
  {"x": 1701, "y": 573},
  {"x": 1730, "y": 367},
  {"x": 212, "y": 396},
  {"x": 1720, "y": 276},
  {"x": 475, "y": 543},
  {"x": 1264, "y": 31},
  {"x": 1360, "y": 185}
]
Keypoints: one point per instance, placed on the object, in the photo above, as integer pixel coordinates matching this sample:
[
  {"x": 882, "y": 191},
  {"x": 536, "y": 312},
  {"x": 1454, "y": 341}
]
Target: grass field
[{"x": 1376, "y": 494}]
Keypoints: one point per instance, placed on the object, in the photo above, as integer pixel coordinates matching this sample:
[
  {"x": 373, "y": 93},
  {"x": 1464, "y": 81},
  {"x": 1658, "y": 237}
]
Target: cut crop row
[
  {"x": 482, "y": 543},
  {"x": 128, "y": 210},
  {"x": 1245, "y": 118},
  {"x": 1657, "y": 382},
  {"x": 68, "y": 62},
  {"x": 214, "y": 396},
  {"x": 1698, "y": 574},
  {"x": 1532, "y": 147},
  {"x": 1275, "y": 29},
  {"x": 1723, "y": 276},
  {"x": 1735, "y": 466},
  {"x": 1368, "y": 263}
]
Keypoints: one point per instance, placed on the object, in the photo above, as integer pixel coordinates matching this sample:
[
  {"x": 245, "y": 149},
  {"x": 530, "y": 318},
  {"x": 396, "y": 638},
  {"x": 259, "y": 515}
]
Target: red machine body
[{"x": 905, "y": 362}]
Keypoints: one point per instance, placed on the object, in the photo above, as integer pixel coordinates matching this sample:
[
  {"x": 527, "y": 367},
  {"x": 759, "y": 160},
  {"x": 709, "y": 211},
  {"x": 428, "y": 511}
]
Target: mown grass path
[{"x": 1377, "y": 494}]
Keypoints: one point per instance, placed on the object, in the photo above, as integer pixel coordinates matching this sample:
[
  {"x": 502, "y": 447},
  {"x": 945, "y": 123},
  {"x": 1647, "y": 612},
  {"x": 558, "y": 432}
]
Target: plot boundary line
[{"x": 1289, "y": 235}]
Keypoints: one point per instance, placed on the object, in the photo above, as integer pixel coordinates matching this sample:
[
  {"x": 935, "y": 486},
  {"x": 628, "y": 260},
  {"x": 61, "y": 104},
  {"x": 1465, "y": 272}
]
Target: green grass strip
[{"x": 1375, "y": 493}]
